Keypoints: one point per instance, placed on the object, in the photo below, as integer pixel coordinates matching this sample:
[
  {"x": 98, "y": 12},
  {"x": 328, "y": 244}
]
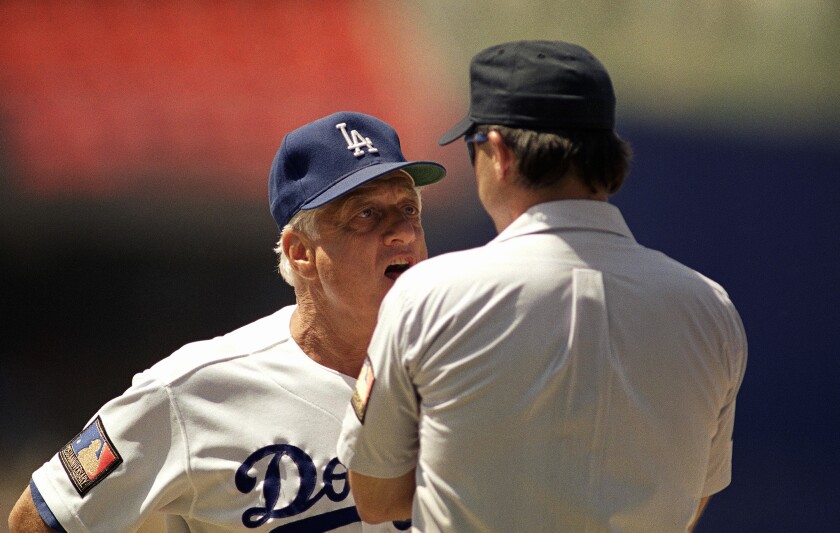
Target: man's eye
[
  {"x": 366, "y": 213},
  {"x": 411, "y": 210}
]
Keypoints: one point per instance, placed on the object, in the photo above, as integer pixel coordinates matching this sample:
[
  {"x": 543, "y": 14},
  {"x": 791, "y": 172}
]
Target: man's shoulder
[
  {"x": 663, "y": 266},
  {"x": 450, "y": 263},
  {"x": 242, "y": 342}
]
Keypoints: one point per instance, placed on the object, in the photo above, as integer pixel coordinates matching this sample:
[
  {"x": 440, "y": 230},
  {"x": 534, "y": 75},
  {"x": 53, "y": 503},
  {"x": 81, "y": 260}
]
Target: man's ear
[
  {"x": 300, "y": 253},
  {"x": 504, "y": 160}
]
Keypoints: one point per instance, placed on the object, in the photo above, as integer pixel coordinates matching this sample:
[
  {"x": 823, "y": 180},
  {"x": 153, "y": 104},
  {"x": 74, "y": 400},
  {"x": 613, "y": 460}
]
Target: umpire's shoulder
[{"x": 456, "y": 263}]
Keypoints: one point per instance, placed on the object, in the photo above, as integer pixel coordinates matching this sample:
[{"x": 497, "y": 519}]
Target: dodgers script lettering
[{"x": 334, "y": 475}]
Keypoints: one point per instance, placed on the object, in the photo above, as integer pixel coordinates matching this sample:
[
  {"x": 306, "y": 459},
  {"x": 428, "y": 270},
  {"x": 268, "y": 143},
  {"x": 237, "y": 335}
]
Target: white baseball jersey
[
  {"x": 560, "y": 378},
  {"x": 236, "y": 433}
]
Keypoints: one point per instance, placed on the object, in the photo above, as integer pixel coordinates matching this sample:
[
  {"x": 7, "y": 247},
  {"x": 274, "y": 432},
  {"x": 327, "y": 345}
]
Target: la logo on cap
[{"x": 355, "y": 141}]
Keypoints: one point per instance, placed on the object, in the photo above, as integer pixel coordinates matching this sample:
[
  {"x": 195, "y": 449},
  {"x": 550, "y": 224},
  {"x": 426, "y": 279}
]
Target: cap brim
[
  {"x": 461, "y": 128},
  {"x": 422, "y": 172}
]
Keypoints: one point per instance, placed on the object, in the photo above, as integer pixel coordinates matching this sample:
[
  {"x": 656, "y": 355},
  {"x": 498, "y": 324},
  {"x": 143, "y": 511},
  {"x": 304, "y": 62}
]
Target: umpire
[{"x": 562, "y": 377}]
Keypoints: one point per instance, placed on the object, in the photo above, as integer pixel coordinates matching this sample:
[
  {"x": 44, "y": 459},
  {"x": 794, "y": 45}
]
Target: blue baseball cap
[{"x": 333, "y": 155}]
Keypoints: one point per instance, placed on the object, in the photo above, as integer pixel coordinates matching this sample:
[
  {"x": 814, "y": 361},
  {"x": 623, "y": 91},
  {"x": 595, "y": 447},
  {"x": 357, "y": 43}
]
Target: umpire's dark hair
[{"x": 599, "y": 157}]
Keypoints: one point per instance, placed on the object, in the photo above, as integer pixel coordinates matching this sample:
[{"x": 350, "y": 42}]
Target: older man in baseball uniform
[
  {"x": 563, "y": 377},
  {"x": 238, "y": 433}
]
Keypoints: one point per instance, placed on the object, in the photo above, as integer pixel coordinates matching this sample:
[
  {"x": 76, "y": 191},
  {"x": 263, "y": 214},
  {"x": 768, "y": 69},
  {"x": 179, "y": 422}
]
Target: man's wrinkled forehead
[{"x": 398, "y": 177}]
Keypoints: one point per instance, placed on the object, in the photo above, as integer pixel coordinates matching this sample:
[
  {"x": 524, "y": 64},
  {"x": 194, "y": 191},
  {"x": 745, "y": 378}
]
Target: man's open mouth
[{"x": 396, "y": 268}]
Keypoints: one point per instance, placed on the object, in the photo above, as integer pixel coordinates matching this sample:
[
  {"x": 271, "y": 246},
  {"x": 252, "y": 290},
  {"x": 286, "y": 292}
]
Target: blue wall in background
[{"x": 761, "y": 217}]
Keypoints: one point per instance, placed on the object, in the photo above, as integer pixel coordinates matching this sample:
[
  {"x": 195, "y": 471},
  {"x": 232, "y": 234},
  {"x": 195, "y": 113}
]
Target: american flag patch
[{"x": 89, "y": 457}]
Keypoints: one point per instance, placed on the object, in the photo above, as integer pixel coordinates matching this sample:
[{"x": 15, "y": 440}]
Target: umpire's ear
[
  {"x": 504, "y": 159},
  {"x": 301, "y": 255}
]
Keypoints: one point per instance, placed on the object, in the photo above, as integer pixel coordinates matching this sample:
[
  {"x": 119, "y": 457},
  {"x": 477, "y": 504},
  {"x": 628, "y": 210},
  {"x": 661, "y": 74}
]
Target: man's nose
[{"x": 400, "y": 229}]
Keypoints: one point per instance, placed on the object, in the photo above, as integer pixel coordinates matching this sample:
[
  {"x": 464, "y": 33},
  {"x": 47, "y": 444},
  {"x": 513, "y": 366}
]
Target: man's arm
[
  {"x": 703, "y": 503},
  {"x": 25, "y": 518},
  {"x": 383, "y": 499}
]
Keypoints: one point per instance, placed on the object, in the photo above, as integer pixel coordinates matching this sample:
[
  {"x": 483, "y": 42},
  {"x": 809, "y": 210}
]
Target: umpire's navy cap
[
  {"x": 333, "y": 155},
  {"x": 537, "y": 85}
]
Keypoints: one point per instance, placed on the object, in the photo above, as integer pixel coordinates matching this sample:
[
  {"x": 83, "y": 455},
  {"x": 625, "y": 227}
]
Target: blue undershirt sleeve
[{"x": 43, "y": 509}]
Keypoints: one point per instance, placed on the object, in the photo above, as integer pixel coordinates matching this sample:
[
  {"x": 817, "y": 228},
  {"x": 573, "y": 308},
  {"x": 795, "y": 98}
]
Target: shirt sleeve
[
  {"x": 126, "y": 463},
  {"x": 719, "y": 470},
  {"x": 379, "y": 435}
]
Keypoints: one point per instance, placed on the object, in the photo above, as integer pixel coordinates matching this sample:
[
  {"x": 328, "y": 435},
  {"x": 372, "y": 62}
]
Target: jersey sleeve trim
[{"x": 43, "y": 509}]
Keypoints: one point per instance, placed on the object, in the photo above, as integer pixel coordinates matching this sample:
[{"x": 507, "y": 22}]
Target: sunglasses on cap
[{"x": 475, "y": 138}]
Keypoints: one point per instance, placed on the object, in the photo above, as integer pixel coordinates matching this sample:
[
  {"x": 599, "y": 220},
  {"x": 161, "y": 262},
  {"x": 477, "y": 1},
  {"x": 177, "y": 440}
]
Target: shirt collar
[{"x": 590, "y": 215}]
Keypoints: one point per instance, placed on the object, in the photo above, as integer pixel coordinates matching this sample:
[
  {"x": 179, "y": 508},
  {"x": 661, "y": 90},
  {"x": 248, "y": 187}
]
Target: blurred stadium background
[{"x": 136, "y": 137}]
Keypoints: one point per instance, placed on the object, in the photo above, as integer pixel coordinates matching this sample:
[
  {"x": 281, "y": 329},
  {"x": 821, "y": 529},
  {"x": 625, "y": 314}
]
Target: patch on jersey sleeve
[
  {"x": 362, "y": 391},
  {"x": 90, "y": 457}
]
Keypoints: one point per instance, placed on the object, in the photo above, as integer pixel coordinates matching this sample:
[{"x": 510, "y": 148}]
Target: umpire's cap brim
[{"x": 464, "y": 126}]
